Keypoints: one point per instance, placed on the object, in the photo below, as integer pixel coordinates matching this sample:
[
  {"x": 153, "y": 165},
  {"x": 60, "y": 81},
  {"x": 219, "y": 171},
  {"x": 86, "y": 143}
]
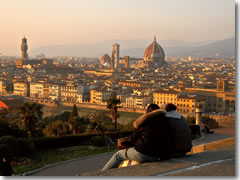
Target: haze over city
[{"x": 62, "y": 22}]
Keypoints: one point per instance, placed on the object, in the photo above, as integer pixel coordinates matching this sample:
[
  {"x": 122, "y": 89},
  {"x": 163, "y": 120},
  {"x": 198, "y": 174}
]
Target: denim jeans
[{"x": 132, "y": 154}]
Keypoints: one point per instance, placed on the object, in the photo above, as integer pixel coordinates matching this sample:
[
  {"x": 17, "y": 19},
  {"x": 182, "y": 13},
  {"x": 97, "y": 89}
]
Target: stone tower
[
  {"x": 24, "y": 48},
  {"x": 116, "y": 55}
]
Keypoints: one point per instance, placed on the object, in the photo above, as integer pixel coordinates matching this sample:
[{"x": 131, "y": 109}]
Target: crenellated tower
[{"x": 24, "y": 48}]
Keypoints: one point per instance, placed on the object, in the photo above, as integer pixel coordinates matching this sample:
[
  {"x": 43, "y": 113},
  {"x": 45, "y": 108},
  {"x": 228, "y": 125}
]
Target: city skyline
[{"x": 47, "y": 23}]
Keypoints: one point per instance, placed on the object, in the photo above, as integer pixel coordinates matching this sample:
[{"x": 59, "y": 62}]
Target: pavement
[
  {"x": 222, "y": 160},
  {"x": 207, "y": 162}
]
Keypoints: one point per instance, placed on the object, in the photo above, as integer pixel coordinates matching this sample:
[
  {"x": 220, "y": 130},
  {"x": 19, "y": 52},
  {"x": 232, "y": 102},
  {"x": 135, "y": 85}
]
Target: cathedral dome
[
  {"x": 154, "y": 54},
  {"x": 105, "y": 59}
]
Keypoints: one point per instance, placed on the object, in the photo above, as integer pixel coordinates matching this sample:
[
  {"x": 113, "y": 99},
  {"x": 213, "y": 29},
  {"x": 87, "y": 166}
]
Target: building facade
[
  {"x": 69, "y": 93},
  {"x": 21, "y": 88},
  {"x": 37, "y": 90},
  {"x": 165, "y": 97},
  {"x": 54, "y": 92},
  {"x": 2, "y": 86},
  {"x": 188, "y": 104},
  {"x": 99, "y": 96}
]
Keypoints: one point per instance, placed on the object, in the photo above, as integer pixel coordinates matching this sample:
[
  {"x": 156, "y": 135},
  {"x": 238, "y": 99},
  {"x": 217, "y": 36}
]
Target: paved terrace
[{"x": 211, "y": 154}]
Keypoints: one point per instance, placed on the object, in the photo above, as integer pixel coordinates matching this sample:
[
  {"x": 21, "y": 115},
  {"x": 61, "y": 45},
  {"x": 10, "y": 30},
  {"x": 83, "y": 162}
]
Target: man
[
  {"x": 181, "y": 131},
  {"x": 152, "y": 140}
]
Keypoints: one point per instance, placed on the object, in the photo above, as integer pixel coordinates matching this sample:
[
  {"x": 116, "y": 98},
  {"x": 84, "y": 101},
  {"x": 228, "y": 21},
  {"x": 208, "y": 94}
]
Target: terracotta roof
[
  {"x": 166, "y": 92},
  {"x": 106, "y": 58},
  {"x": 190, "y": 97},
  {"x": 154, "y": 49}
]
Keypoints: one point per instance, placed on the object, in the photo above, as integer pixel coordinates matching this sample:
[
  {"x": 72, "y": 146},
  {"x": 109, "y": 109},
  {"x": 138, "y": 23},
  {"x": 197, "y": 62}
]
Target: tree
[
  {"x": 100, "y": 122},
  {"x": 57, "y": 128},
  {"x": 79, "y": 124},
  {"x": 30, "y": 114},
  {"x": 73, "y": 119},
  {"x": 112, "y": 106}
]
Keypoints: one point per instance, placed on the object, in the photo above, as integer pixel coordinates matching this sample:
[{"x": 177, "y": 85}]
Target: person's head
[
  {"x": 170, "y": 107},
  {"x": 152, "y": 107}
]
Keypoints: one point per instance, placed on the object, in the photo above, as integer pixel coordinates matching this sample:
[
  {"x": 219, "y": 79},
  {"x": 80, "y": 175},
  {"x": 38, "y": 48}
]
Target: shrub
[
  {"x": 7, "y": 129},
  {"x": 4, "y": 129},
  {"x": 27, "y": 147},
  {"x": 43, "y": 143},
  {"x": 6, "y": 152},
  {"x": 212, "y": 123},
  {"x": 11, "y": 142},
  {"x": 17, "y": 132},
  {"x": 97, "y": 141},
  {"x": 57, "y": 128},
  {"x": 18, "y": 147},
  {"x": 60, "y": 142}
]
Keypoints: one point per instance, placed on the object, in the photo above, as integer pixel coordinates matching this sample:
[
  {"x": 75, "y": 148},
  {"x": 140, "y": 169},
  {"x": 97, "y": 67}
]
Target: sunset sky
[{"x": 51, "y": 22}]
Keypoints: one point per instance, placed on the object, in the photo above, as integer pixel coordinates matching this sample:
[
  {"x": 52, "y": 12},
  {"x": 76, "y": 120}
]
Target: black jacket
[{"x": 154, "y": 137}]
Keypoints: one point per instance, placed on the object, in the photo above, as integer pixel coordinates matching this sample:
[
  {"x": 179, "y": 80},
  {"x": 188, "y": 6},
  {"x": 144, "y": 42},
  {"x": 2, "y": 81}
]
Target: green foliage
[
  {"x": 211, "y": 122},
  {"x": 44, "y": 143},
  {"x": 5, "y": 151},
  {"x": 18, "y": 147},
  {"x": 112, "y": 106},
  {"x": 11, "y": 142},
  {"x": 61, "y": 141},
  {"x": 80, "y": 124},
  {"x": 74, "y": 111},
  {"x": 100, "y": 122},
  {"x": 74, "y": 120},
  {"x": 98, "y": 141},
  {"x": 11, "y": 129},
  {"x": 63, "y": 117},
  {"x": 4, "y": 128},
  {"x": 47, "y": 157},
  {"x": 15, "y": 131},
  {"x": 57, "y": 128},
  {"x": 27, "y": 147},
  {"x": 30, "y": 113}
]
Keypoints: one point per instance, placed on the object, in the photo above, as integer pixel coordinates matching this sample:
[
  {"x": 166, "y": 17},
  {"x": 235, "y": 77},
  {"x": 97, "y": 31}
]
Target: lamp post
[{"x": 199, "y": 112}]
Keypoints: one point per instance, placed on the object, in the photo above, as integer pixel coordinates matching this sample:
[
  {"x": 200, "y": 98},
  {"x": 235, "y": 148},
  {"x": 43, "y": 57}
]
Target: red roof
[{"x": 3, "y": 105}]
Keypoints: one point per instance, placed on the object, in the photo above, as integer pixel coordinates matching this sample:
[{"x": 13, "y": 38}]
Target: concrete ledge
[{"x": 213, "y": 145}]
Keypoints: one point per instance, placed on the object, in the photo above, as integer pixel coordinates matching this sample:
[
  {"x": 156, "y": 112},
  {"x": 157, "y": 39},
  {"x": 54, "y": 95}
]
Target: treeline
[{"x": 31, "y": 123}]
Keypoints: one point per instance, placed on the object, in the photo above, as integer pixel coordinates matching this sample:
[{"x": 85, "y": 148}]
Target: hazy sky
[{"x": 50, "y": 22}]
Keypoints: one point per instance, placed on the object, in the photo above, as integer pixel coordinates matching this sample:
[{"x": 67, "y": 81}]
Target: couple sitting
[{"x": 158, "y": 135}]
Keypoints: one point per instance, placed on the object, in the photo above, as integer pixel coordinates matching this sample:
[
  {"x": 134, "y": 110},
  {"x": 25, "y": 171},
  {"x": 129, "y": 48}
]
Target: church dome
[
  {"x": 105, "y": 59},
  {"x": 154, "y": 54}
]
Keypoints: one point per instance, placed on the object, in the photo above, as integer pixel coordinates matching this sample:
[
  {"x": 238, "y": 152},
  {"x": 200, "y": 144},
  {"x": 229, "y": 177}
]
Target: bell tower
[{"x": 24, "y": 48}]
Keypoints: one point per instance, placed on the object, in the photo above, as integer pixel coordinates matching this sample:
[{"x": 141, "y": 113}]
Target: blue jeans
[{"x": 132, "y": 154}]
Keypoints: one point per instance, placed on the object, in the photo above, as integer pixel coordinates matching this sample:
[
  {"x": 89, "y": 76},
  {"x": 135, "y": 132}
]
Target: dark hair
[
  {"x": 152, "y": 107},
  {"x": 170, "y": 107}
]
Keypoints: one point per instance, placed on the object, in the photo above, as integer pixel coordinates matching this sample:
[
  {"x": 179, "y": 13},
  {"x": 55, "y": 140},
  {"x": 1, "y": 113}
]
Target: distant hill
[
  {"x": 223, "y": 48},
  {"x": 135, "y": 48}
]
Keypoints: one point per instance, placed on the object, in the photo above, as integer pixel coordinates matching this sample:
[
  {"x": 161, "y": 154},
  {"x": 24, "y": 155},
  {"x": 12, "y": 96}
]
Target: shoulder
[{"x": 148, "y": 116}]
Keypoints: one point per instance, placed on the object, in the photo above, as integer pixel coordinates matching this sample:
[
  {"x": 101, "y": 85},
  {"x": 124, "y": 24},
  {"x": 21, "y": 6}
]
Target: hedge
[
  {"x": 46, "y": 143},
  {"x": 18, "y": 147}
]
